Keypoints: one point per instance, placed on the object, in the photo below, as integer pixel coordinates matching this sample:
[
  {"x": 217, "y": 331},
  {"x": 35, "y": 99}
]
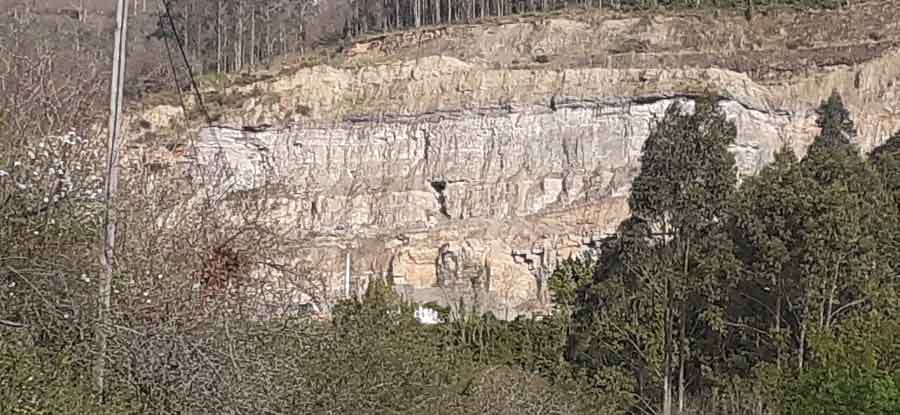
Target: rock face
[
  {"x": 416, "y": 172},
  {"x": 435, "y": 171}
]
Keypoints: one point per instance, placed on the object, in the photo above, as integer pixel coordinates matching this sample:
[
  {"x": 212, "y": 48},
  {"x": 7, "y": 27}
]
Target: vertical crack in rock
[
  {"x": 489, "y": 154},
  {"x": 627, "y": 137},
  {"x": 427, "y": 150}
]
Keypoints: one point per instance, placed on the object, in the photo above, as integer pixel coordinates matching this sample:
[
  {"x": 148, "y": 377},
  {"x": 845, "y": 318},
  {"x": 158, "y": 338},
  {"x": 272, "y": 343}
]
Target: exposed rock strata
[
  {"x": 372, "y": 175},
  {"x": 415, "y": 165}
]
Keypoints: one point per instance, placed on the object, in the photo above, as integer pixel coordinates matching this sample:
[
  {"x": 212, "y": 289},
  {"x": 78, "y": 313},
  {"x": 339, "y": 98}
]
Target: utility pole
[{"x": 111, "y": 181}]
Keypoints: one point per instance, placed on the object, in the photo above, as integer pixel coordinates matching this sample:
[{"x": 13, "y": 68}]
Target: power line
[
  {"x": 175, "y": 75},
  {"x": 190, "y": 72},
  {"x": 174, "y": 70},
  {"x": 187, "y": 64}
]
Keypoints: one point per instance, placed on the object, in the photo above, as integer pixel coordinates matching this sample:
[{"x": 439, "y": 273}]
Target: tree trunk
[
  {"x": 219, "y": 66},
  {"x": 187, "y": 30},
  {"x": 385, "y": 22},
  {"x": 777, "y": 287},
  {"x": 831, "y": 294},
  {"x": 283, "y": 39},
  {"x": 682, "y": 335},
  {"x": 268, "y": 36},
  {"x": 364, "y": 18},
  {"x": 667, "y": 369},
  {"x": 225, "y": 45},
  {"x": 357, "y": 25},
  {"x": 682, "y": 356},
  {"x": 417, "y": 15},
  {"x": 252, "y": 36},
  {"x": 239, "y": 38},
  {"x": 801, "y": 353},
  {"x": 298, "y": 42},
  {"x": 437, "y": 11}
]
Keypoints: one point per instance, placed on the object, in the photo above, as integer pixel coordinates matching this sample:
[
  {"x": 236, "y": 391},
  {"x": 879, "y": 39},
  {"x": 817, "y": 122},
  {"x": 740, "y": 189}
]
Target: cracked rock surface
[{"x": 419, "y": 166}]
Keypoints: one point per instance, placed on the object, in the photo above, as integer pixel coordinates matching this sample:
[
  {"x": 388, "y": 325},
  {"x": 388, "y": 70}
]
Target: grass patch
[{"x": 34, "y": 381}]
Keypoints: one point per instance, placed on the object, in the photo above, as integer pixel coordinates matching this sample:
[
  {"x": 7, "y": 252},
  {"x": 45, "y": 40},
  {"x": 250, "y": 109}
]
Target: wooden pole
[{"x": 107, "y": 258}]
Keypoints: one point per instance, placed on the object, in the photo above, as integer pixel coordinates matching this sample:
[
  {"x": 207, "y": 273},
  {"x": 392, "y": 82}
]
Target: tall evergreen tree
[
  {"x": 837, "y": 129},
  {"x": 663, "y": 281},
  {"x": 833, "y": 149},
  {"x": 768, "y": 220},
  {"x": 687, "y": 174},
  {"x": 617, "y": 334},
  {"x": 886, "y": 159},
  {"x": 846, "y": 238},
  {"x": 686, "y": 181}
]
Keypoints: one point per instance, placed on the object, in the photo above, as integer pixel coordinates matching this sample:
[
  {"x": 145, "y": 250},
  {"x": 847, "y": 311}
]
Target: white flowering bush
[
  {"x": 50, "y": 199},
  {"x": 56, "y": 170},
  {"x": 52, "y": 191}
]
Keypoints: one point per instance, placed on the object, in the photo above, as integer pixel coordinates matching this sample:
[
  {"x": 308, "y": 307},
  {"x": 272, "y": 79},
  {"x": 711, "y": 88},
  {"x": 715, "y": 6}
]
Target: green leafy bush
[
  {"x": 571, "y": 275},
  {"x": 857, "y": 372}
]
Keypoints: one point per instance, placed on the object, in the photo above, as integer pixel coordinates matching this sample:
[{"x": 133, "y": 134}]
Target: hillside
[
  {"x": 671, "y": 207},
  {"x": 512, "y": 143}
]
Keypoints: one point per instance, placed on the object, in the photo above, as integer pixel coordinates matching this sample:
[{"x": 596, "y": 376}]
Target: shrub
[
  {"x": 857, "y": 372},
  {"x": 34, "y": 381}
]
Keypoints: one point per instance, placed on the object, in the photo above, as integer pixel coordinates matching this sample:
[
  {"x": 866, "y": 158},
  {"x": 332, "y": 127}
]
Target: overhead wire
[
  {"x": 175, "y": 76},
  {"x": 199, "y": 96},
  {"x": 187, "y": 63}
]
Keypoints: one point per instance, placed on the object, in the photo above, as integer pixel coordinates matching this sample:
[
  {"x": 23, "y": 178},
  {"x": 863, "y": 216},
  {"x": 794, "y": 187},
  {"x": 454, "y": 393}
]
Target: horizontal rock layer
[
  {"x": 416, "y": 166},
  {"x": 371, "y": 175}
]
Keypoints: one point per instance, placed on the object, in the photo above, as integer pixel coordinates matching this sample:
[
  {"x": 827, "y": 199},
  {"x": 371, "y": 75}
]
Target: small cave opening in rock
[{"x": 439, "y": 186}]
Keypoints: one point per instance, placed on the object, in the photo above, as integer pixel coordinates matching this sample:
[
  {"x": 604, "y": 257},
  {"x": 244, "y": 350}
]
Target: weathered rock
[
  {"x": 376, "y": 175},
  {"x": 515, "y": 169}
]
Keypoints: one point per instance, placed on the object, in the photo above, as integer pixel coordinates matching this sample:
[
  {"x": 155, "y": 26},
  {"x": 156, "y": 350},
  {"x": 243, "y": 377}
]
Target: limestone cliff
[{"x": 427, "y": 158}]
